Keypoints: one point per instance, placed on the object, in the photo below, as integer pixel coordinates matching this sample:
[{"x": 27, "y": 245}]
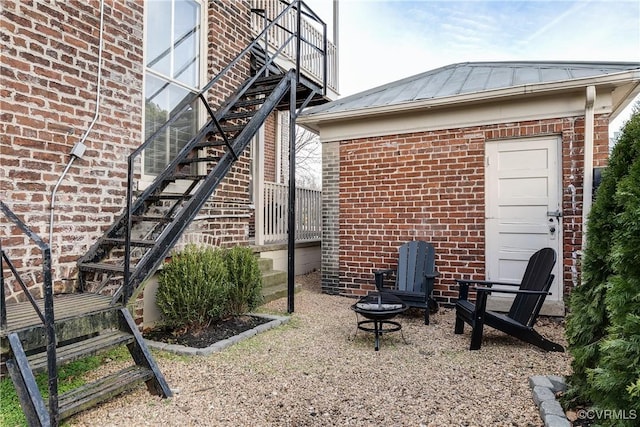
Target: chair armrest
[
  {"x": 379, "y": 276},
  {"x": 510, "y": 291},
  {"x": 487, "y": 283},
  {"x": 433, "y": 275}
]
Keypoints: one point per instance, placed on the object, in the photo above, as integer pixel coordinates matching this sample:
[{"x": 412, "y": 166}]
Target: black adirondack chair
[
  {"x": 521, "y": 318},
  {"x": 414, "y": 277}
]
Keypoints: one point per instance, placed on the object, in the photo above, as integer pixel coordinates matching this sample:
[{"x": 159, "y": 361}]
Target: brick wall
[
  {"x": 391, "y": 189},
  {"x": 48, "y": 89},
  {"x": 49, "y": 81}
]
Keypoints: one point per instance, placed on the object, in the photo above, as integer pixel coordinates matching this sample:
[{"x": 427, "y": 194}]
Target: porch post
[
  {"x": 291, "y": 245},
  {"x": 258, "y": 186}
]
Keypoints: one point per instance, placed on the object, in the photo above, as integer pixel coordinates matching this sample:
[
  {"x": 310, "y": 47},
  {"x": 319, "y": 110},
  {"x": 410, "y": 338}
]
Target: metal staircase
[
  {"x": 139, "y": 240},
  {"x": 35, "y": 337}
]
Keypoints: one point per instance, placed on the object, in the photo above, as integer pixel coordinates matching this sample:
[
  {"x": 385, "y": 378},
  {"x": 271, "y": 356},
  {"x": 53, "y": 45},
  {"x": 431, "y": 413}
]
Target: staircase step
[
  {"x": 265, "y": 264},
  {"x": 190, "y": 177},
  {"x": 149, "y": 218},
  {"x": 199, "y": 159},
  {"x": 239, "y": 115},
  {"x": 249, "y": 102},
  {"x": 105, "y": 388},
  {"x": 168, "y": 196},
  {"x": 212, "y": 143},
  {"x": 141, "y": 243},
  {"x": 275, "y": 292},
  {"x": 77, "y": 350},
  {"x": 273, "y": 277},
  {"x": 102, "y": 267}
]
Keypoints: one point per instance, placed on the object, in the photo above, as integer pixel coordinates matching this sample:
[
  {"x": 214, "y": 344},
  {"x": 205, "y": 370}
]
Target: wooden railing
[
  {"x": 308, "y": 213},
  {"x": 312, "y": 60}
]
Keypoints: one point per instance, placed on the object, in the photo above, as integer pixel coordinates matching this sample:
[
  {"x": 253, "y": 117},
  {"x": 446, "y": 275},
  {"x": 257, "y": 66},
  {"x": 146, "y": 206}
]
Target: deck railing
[
  {"x": 308, "y": 213},
  {"x": 313, "y": 62}
]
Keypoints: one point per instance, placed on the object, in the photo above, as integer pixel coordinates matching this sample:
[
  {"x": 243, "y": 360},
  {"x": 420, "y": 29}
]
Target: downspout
[
  {"x": 78, "y": 150},
  {"x": 587, "y": 185}
]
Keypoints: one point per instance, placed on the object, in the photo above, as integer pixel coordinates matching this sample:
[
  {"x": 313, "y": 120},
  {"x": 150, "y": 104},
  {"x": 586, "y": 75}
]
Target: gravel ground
[{"x": 313, "y": 372}]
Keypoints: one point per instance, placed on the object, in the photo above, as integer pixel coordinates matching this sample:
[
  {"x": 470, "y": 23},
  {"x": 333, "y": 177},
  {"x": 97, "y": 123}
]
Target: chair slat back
[
  {"x": 415, "y": 259},
  {"x": 537, "y": 277}
]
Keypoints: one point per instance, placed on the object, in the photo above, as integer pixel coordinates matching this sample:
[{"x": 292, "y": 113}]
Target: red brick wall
[
  {"x": 430, "y": 186},
  {"x": 49, "y": 80},
  {"x": 48, "y": 75}
]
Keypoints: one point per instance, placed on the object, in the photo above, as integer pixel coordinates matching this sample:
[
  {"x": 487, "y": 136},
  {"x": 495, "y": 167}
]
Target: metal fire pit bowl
[{"x": 378, "y": 308}]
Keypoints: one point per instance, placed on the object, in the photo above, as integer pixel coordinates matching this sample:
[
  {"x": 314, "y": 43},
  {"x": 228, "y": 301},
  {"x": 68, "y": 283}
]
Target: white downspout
[{"x": 587, "y": 193}]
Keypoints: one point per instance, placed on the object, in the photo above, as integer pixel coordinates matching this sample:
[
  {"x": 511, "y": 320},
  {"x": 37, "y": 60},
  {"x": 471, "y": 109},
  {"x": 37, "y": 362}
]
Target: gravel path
[{"x": 313, "y": 372}]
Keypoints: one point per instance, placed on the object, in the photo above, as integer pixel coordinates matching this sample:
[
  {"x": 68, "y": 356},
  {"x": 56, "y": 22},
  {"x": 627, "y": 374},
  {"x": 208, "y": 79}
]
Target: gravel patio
[{"x": 312, "y": 372}]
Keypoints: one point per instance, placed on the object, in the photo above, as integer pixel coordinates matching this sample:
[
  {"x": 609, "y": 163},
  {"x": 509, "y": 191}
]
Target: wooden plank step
[
  {"x": 140, "y": 243},
  {"x": 91, "y": 394},
  {"x": 77, "y": 350},
  {"x": 22, "y": 315}
]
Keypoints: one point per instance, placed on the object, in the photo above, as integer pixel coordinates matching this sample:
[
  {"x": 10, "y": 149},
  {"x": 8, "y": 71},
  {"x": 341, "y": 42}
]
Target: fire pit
[{"x": 378, "y": 308}]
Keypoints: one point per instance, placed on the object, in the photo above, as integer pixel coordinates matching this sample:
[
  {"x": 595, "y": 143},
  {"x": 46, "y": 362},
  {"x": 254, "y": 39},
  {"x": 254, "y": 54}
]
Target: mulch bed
[{"x": 223, "y": 329}]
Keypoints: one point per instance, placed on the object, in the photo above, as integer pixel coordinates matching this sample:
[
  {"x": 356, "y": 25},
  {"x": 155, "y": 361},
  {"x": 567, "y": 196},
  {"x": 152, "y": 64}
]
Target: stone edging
[
  {"x": 544, "y": 389},
  {"x": 220, "y": 345}
]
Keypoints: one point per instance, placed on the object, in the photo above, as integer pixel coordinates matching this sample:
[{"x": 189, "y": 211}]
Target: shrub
[
  {"x": 245, "y": 280},
  {"x": 603, "y": 328},
  {"x": 192, "y": 288}
]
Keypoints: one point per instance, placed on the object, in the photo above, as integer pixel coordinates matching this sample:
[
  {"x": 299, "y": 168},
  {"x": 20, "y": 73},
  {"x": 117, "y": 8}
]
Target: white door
[{"x": 523, "y": 211}]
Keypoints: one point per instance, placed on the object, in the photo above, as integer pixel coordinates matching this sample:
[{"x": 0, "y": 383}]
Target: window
[{"x": 173, "y": 35}]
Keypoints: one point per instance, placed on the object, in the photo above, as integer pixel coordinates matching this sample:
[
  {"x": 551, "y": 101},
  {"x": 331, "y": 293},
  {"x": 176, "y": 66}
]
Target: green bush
[
  {"x": 603, "y": 327},
  {"x": 192, "y": 288},
  {"x": 245, "y": 280}
]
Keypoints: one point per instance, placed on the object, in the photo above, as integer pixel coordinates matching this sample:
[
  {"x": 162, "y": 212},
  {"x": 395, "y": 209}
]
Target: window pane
[
  {"x": 161, "y": 98},
  {"x": 158, "y": 36},
  {"x": 186, "y": 37}
]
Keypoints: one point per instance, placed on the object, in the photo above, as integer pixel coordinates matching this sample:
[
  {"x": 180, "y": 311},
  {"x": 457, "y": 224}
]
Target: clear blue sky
[{"x": 385, "y": 40}]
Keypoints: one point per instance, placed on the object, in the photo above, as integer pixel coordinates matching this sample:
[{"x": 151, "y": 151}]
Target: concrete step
[
  {"x": 278, "y": 291},
  {"x": 265, "y": 264}
]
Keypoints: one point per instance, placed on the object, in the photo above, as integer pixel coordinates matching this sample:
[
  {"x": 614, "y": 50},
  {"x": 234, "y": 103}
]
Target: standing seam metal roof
[{"x": 471, "y": 77}]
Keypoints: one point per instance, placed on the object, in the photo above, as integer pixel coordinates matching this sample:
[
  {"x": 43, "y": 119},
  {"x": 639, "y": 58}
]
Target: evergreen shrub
[
  {"x": 603, "y": 325},
  {"x": 245, "y": 280},
  {"x": 192, "y": 288}
]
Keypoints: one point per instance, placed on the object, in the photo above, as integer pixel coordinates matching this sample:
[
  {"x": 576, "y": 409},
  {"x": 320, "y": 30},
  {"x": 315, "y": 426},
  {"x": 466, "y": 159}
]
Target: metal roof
[{"x": 470, "y": 77}]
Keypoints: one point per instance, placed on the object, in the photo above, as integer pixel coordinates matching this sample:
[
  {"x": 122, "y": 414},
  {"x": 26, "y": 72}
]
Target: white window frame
[{"x": 147, "y": 179}]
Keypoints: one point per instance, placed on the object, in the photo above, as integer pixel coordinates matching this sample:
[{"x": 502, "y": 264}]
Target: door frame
[{"x": 551, "y": 307}]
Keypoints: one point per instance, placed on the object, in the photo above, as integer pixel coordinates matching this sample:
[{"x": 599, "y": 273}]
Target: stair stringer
[{"x": 142, "y": 356}]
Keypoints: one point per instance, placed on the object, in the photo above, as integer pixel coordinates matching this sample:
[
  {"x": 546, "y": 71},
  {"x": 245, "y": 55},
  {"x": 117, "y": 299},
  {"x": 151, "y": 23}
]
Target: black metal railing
[
  {"x": 300, "y": 9},
  {"x": 47, "y": 318}
]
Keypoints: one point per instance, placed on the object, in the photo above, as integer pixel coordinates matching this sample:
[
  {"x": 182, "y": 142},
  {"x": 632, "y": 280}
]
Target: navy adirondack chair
[
  {"x": 521, "y": 318},
  {"x": 415, "y": 276}
]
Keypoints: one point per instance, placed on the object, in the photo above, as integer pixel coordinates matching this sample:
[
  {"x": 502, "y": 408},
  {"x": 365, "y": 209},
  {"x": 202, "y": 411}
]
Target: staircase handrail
[
  {"x": 48, "y": 319},
  {"x": 182, "y": 107}
]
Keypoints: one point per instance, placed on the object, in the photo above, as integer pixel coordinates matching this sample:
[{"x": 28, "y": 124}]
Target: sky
[{"x": 381, "y": 41}]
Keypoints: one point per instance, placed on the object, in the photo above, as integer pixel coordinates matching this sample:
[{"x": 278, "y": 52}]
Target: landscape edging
[{"x": 221, "y": 345}]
